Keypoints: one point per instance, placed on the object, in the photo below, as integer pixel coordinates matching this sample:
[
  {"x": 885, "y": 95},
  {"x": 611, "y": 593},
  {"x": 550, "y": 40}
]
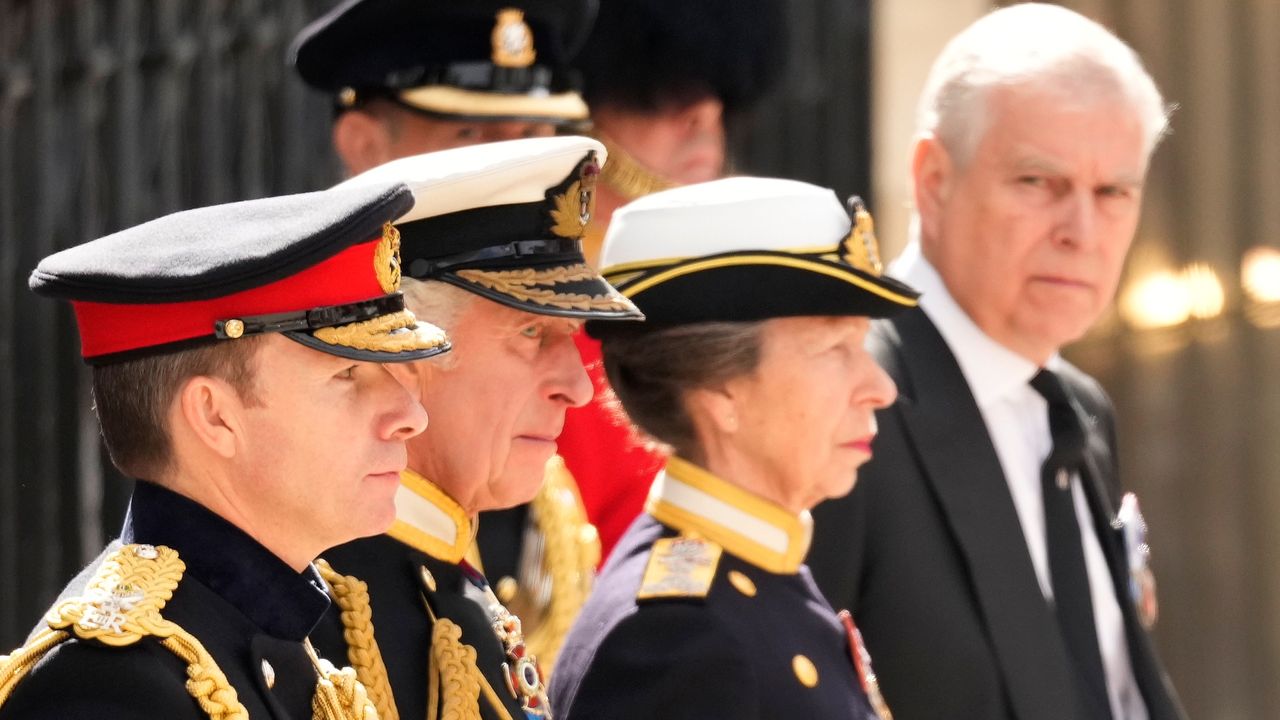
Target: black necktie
[{"x": 1072, "y": 602}]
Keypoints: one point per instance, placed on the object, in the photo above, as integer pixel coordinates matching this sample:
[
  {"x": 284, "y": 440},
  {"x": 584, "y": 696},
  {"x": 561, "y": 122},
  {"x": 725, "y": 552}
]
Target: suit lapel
[{"x": 950, "y": 439}]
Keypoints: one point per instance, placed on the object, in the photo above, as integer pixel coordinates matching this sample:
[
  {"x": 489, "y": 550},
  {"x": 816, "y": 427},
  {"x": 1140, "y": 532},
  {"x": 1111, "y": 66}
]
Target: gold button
[
  {"x": 268, "y": 674},
  {"x": 742, "y": 583},
  {"x": 347, "y": 97},
  {"x": 805, "y": 672},
  {"x": 233, "y": 329},
  {"x": 428, "y": 579},
  {"x": 506, "y": 589}
]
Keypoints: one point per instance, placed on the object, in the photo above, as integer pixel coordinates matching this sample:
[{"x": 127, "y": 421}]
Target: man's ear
[
  {"x": 932, "y": 177},
  {"x": 362, "y": 140},
  {"x": 212, "y": 413}
]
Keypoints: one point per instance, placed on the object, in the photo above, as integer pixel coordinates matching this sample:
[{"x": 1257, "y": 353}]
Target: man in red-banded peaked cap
[{"x": 238, "y": 374}]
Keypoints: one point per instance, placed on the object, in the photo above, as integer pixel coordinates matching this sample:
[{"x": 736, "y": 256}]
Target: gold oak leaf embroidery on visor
[
  {"x": 396, "y": 332},
  {"x": 524, "y": 285}
]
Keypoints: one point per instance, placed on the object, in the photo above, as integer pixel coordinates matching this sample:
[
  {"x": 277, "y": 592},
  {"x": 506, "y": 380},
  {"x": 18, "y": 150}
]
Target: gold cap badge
[
  {"x": 386, "y": 259},
  {"x": 512, "y": 40},
  {"x": 574, "y": 206},
  {"x": 861, "y": 249}
]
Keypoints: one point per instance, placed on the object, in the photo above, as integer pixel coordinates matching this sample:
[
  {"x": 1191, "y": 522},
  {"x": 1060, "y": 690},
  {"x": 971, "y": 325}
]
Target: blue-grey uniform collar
[{"x": 281, "y": 601}]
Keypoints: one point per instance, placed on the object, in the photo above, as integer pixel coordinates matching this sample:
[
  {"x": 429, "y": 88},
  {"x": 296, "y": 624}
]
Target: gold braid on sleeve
[{"x": 352, "y": 597}]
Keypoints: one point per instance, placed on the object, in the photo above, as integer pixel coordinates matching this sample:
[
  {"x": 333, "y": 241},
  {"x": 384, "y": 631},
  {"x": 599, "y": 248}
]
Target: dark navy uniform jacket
[
  {"x": 756, "y": 644},
  {"x": 393, "y": 572},
  {"x": 248, "y": 608},
  {"x": 431, "y": 535}
]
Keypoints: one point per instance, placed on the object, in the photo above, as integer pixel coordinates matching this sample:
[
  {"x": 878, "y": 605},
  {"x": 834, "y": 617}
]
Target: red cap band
[{"x": 109, "y": 328}]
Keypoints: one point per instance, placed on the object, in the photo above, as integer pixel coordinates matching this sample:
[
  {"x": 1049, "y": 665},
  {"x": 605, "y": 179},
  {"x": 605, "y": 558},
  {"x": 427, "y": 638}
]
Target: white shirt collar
[{"x": 992, "y": 370}]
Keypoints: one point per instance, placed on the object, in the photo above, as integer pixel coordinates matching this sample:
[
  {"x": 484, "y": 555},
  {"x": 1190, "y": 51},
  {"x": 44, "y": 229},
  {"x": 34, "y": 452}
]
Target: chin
[
  {"x": 511, "y": 492},
  {"x": 840, "y": 488},
  {"x": 378, "y": 521}
]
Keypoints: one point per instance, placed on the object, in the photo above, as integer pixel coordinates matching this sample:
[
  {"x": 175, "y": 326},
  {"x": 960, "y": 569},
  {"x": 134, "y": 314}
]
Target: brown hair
[
  {"x": 652, "y": 369},
  {"x": 132, "y": 398}
]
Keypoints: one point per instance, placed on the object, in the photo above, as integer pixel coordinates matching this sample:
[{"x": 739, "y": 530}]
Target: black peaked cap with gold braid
[
  {"x": 455, "y": 59},
  {"x": 322, "y": 268},
  {"x": 745, "y": 249},
  {"x": 505, "y": 221}
]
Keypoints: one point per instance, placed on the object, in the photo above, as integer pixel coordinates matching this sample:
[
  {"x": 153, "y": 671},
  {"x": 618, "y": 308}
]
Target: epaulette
[
  {"x": 680, "y": 567},
  {"x": 120, "y": 606},
  {"x": 122, "y": 603}
]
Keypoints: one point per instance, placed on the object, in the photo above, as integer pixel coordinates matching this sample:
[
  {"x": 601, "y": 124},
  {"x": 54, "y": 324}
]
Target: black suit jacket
[{"x": 928, "y": 552}]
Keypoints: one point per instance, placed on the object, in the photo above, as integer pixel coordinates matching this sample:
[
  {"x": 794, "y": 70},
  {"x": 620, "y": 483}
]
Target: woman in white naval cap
[{"x": 758, "y": 295}]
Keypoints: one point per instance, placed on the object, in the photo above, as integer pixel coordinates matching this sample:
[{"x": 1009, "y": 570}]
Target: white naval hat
[
  {"x": 505, "y": 220},
  {"x": 748, "y": 248}
]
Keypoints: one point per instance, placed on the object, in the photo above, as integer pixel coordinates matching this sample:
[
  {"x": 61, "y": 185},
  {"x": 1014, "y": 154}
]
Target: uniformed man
[
  {"x": 493, "y": 244},
  {"x": 451, "y": 74},
  {"x": 409, "y": 77},
  {"x": 237, "y": 360},
  {"x": 663, "y": 79},
  {"x": 751, "y": 368}
]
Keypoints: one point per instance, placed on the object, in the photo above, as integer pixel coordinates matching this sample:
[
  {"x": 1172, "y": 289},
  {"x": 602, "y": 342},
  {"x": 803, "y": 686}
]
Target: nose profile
[
  {"x": 879, "y": 389},
  {"x": 567, "y": 379},
  {"x": 403, "y": 416}
]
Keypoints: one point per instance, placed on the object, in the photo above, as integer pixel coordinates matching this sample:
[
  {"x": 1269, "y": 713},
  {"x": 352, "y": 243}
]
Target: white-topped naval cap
[
  {"x": 510, "y": 172},
  {"x": 745, "y": 249},
  {"x": 733, "y": 214},
  {"x": 505, "y": 220}
]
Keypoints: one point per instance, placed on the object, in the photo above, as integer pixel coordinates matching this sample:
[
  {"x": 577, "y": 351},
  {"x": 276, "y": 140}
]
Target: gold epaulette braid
[
  {"x": 626, "y": 175},
  {"x": 339, "y": 694},
  {"x": 571, "y": 551},
  {"x": 15, "y": 666},
  {"x": 120, "y": 606},
  {"x": 352, "y": 596}
]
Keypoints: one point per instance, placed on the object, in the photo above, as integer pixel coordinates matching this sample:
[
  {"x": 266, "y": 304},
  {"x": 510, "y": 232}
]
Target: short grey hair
[
  {"x": 1032, "y": 45},
  {"x": 651, "y": 370},
  {"x": 438, "y": 303}
]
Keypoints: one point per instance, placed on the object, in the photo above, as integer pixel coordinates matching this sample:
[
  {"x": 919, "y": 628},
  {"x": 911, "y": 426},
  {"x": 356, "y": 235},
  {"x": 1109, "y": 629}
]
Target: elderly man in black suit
[{"x": 981, "y": 553}]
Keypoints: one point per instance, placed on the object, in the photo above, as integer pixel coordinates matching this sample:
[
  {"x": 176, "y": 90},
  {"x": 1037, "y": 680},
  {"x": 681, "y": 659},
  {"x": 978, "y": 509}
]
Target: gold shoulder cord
[
  {"x": 626, "y": 175},
  {"x": 453, "y": 669},
  {"x": 452, "y": 663},
  {"x": 120, "y": 606},
  {"x": 352, "y": 596},
  {"x": 339, "y": 694},
  {"x": 570, "y": 553}
]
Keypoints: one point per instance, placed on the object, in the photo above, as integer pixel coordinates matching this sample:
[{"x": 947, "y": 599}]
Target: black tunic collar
[{"x": 282, "y": 602}]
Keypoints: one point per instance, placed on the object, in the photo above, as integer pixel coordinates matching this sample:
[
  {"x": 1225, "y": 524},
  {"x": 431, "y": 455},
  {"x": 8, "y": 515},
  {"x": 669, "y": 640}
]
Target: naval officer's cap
[
  {"x": 322, "y": 268},
  {"x": 746, "y": 249},
  {"x": 455, "y": 59},
  {"x": 505, "y": 220}
]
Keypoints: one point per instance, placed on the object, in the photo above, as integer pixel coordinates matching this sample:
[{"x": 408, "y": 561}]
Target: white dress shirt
[{"x": 1017, "y": 421}]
